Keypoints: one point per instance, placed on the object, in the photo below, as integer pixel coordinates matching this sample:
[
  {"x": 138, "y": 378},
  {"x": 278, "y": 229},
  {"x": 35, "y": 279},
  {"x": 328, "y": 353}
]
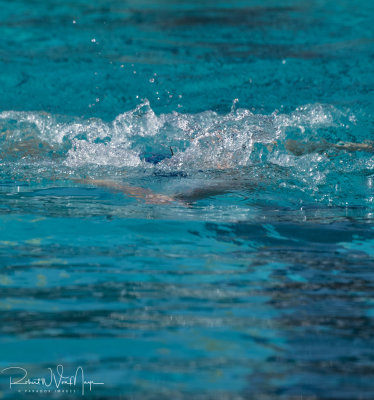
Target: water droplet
[{"x": 233, "y": 107}]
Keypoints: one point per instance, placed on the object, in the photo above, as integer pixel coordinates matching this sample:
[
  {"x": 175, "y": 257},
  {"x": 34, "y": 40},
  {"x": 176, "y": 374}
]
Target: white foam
[{"x": 205, "y": 140}]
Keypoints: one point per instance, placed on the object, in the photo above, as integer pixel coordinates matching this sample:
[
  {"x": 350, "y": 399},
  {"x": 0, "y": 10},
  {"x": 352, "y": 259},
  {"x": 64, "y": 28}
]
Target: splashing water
[
  {"x": 256, "y": 281},
  {"x": 199, "y": 141},
  {"x": 252, "y": 145}
]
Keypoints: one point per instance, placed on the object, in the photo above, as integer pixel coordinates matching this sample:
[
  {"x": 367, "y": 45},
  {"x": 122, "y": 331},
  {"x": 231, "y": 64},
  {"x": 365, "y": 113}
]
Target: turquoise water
[{"x": 252, "y": 278}]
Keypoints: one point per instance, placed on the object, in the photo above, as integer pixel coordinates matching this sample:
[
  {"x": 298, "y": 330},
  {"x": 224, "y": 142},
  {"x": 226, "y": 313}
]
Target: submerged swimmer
[
  {"x": 219, "y": 148},
  {"x": 31, "y": 147},
  {"x": 294, "y": 147}
]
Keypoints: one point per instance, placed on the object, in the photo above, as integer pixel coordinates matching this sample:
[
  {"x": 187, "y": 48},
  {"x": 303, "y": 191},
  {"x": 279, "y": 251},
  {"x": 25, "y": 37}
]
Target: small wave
[
  {"x": 197, "y": 141},
  {"x": 252, "y": 146}
]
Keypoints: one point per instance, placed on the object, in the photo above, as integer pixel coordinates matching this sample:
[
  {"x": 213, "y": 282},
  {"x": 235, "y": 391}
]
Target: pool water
[{"x": 156, "y": 229}]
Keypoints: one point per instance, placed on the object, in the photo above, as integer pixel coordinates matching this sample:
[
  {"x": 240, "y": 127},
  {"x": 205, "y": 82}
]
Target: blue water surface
[{"x": 186, "y": 198}]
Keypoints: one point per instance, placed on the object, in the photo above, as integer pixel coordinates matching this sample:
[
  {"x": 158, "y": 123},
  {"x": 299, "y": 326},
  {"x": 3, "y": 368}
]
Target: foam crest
[{"x": 201, "y": 141}]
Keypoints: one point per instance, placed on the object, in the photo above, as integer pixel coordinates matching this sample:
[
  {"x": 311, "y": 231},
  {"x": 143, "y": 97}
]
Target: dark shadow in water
[{"x": 322, "y": 291}]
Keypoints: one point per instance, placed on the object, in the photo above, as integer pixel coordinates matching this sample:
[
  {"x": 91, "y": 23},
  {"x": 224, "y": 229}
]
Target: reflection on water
[{"x": 240, "y": 309}]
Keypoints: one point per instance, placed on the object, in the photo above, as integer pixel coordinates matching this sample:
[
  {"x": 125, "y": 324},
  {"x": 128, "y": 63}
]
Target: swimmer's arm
[
  {"x": 350, "y": 146},
  {"x": 230, "y": 185},
  {"x": 136, "y": 192},
  {"x": 202, "y": 193},
  {"x": 299, "y": 148},
  {"x": 150, "y": 197}
]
